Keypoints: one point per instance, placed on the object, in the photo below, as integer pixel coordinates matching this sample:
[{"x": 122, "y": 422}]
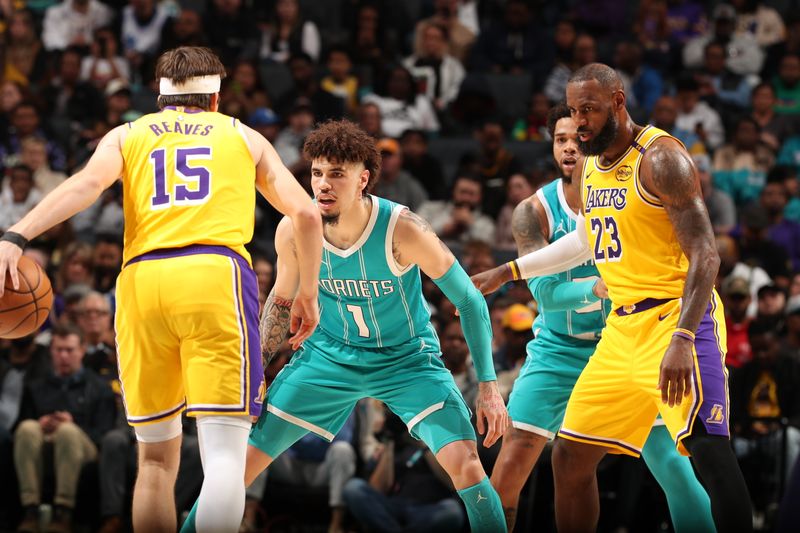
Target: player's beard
[
  {"x": 330, "y": 220},
  {"x": 600, "y": 142}
]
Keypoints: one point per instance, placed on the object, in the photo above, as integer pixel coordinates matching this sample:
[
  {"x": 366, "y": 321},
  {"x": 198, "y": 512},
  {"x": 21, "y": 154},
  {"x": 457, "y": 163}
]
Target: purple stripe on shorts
[
  {"x": 194, "y": 249},
  {"x": 253, "y": 342},
  {"x": 157, "y": 417},
  {"x": 601, "y": 441},
  {"x": 713, "y": 410}
]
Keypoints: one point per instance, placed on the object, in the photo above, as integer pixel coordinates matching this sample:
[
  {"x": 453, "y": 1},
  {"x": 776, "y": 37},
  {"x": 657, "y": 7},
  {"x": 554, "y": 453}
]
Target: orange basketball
[{"x": 23, "y": 311}]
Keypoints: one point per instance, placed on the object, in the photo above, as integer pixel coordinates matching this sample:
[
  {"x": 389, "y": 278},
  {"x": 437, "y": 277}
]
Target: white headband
[{"x": 196, "y": 85}]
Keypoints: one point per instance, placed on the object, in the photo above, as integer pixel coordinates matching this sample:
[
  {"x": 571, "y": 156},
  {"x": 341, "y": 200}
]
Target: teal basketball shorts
[{"x": 317, "y": 390}]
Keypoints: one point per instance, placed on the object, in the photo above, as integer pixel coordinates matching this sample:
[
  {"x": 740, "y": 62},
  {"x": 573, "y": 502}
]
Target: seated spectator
[
  {"x": 370, "y": 120},
  {"x": 25, "y": 55},
  {"x": 783, "y": 232},
  {"x": 103, "y": 63},
  {"x": 372, "y": 43},
  {"x": 517, "y": 323},
  {"x": 643, "y": 84},
  {"x": 719, "y": 86},
  {"x": 142, "y": 25},
  {"x": 731, "y": 268},
  {"x": 790, "y": 153},
  {"x": 775, "y": 129},
  {"x": 107, "y": 263},
  {"x": 26, "y": 122},
  {"x": 460, "y": 219},
  {"x": 493, "y": 163},
  {"x": 425, "y": 168},
  {"x": 400, "y": 106},
  {"x": 721, "y": 209},
  {"x": 244, "y": 91},
  {"x": 34, "y": 155},
  {"x": 459, "y": 37},
  {"x": 71, "y": 408},
  {"x": 396, "y": 184},
  {"x": 685, "y": 21},
  {"x": 519, "y": 187},
  {"x": 94, "y": 321},
  {"x": 439, "y": 73},
  {"x": 74, "y": 268},
  {"x": 787, "y": 85},
  {"x": 457, "y": 359},
  {"x": 407, "y": 490},
  {"x": 740, "y": 167},
  {"x": 744, "y": 54},
  {"x": 791, "y": 44},
  {"x": 665, "y": 114},
  {"x": 534, "y": 126},
  {"x": 21, "y": 196},
  {"x": 512, "y": 44},
  {"x": 265, "y": 122},
  {"x": 764, "y": 23},
  {"x": 771, "y": 305},
  {"x": 756, "y": 247},
  {"x": 184, "y": 30},
  {"x": 231, "y": 30},
  {"x": 340, "y": 81},
  {"x": 736, "y": 298},
  {"x": 584, "y": 52},
  {"x": 652, "y": 28},
  {"x": 289, "y": 142},
  {"x": 325, "y": 105},
  {"x": 696, "y": 116},
  {"x": 287, "y": 33},
  {"x": 72, "y": 22}
]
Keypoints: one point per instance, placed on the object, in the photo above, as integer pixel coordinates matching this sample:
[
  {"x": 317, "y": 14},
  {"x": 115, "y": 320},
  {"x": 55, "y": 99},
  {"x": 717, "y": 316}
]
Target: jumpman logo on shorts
[{"x": 481, "y": 497}]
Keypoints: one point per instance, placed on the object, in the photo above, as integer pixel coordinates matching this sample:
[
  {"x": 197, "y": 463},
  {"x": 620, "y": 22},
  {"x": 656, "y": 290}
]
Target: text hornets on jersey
[{"x": 358, "y": 288}]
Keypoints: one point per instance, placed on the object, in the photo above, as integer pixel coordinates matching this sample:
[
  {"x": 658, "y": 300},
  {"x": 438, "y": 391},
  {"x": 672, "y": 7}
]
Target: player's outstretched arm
[
  {"x": 75, "y": 194},
  {"x": 277, "y": 312},
  {"x": 281, "y": 189},
  {"x": 414, "y": 242},
  {"x": 668, "y": 172}
]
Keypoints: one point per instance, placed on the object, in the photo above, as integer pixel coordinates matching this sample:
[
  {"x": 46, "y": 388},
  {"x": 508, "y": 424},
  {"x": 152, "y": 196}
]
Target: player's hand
[
  {"x": 675, "y": 379},
  {"x": 600, "y": 290},
  {"x": 491, "y": 280},
  {"x": 305, "y": 317},
  {"x": 9, "y": 258},
  {"x": 490, "y": 406}
]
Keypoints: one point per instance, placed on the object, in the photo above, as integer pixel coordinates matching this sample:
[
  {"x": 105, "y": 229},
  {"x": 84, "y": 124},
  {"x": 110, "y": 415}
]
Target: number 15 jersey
[
  {"x": 188, "y": 178},
  {"x": 633, "y": 243}
]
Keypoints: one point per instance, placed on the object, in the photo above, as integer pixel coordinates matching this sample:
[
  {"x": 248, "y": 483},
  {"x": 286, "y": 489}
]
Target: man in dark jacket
[{"x": 72, "y": 408}]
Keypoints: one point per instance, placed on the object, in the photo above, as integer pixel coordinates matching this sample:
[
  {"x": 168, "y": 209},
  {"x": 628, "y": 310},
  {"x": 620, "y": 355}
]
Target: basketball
[{"x": 23, "y": 311}]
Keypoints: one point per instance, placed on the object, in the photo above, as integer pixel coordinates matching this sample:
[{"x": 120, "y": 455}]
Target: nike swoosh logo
[{"x": 662, "y": 317}]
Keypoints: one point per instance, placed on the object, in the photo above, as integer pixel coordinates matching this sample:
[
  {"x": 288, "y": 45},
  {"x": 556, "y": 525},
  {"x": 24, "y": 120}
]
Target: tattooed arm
[
  {"x": 529, "y": 225},
  {"x": 668, "y": 172},
  {"x": 276, "y": 316}
]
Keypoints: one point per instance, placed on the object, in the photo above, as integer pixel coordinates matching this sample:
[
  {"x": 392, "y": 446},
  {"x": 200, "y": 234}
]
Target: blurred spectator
[
  {"x": 783, "y": 232},
  {"x": 494, "y": 163},
  {"x": 407, "y": 490},
  {"x": 369, "y": 119},
  {"x": 184, "y": 30},
  {"x": 737, "y": 300},
  {"x": 787, "y": 85},
  {"x": 721, "y": 209},
  {"x": 395, "y": 183},
  {"x": 372, "y": 43},
  {"x": 265, "y": 122},
  {"x": 731, "y": 267},
  {"x": 719, "y": 86},
  {"x": 459, "y": 36},
  {"x": 244, "y": 91},
  {"x": 118, "y": 102},
  {"x": 762, "y": 22},
  {"x": 231, "y": 30},
  {"x": 775, "y": 129},
  {"x": 26, "y": 122},
  {"x": 20, "y": 198},
  {"x": 517, "y": 323},
  {"x": 665, "y": 115},
  {"x": 791, "y": 45},
  {"x": 533, "y": 127},
  {"x": 287, "y": 34},
  {"x": 94, "y": 320},
  {"x": 756, "y": 248},
  {"x": 511, "y": 45},
  {"x": 325, "y": 105},
  {"x": 457, "y": 359},
  {"x": 787, "y": 175},
  {"x": 740, "y": 167},
  {"x": 686, "y": 20},
  {"x": 400, "y": 106},
  {"x": 24, "y": 54},
  {"x": 34, "y": 155},
  {"x": 73, "y": 409},
  {"x": 72, "y": 22},
  {"x": 518, "y": 188},
  {"x": 289, "y": 142},
  {"x": 104, "y": 64},
  {"x": 340, "y": 81},
  {"x": 497, "y": 310},
  {"x": 643, "y": 84},
  {"x": 791, "y": 344},
  {"x": 75, "y": 267},
  {"x": 435, "y": 69},
  {"x": 106, "y": 263},
  {"x": 744, "y": 56},
  {"x": 20, "y": 363},
  {"x": 71, "y": 103},
  {"x": 771, "y": 305},
  {"x": 564, "y": 40},
  {"x": 652, "y": 26},
  {"x": 697, "y": 116},
  {"x": 425, "y": 168},
  {"x": 474, "y": 106},
  {"x": 583, "y": 53},
  {"x": 265, "y": 273},
  {"x": 142, "y": 25},
  {"x": 11, "y": 94},
  {"x": 790, "y": 153},
  {"x": 461, "y": 218}
]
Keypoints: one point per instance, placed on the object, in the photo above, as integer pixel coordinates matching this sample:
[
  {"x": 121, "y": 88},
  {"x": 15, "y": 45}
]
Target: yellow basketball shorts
[
  {"x": 616, "y": 400},
  {"x": 187, "y": 335}
]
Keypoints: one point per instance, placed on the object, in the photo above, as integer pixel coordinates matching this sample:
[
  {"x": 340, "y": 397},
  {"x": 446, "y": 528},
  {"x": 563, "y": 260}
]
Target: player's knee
[{"x": 571, "y": 459}]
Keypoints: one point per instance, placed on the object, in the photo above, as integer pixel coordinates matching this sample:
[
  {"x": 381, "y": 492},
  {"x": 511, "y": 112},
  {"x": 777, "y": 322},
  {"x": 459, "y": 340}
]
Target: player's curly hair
[{"x": 342, "y": 141}]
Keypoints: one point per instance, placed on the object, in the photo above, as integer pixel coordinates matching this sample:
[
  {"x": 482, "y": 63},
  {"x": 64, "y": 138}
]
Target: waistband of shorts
[
  {"x": 194, "y": 249},
  {"x": 638, "y": 307}
]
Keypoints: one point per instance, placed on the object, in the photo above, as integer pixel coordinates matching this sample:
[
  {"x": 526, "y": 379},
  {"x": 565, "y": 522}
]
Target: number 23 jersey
[
  {"x": 188, "y": 178},
  {"x": 633, "y": 242}
]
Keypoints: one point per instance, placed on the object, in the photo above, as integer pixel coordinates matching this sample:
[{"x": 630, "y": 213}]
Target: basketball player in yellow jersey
[
  {"x": 645, "y": 225},
  {"x": 187, "y": 324}
]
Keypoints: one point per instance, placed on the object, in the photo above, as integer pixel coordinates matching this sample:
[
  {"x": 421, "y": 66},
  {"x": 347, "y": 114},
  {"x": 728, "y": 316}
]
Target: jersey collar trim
[{"x": 373, "y": 216}]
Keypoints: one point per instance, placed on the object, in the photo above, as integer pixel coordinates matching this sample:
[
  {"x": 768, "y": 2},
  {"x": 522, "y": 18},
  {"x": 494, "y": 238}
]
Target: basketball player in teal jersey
[
  {"x": 572, "y": 313},
  {"x": 375, "y": 338}
]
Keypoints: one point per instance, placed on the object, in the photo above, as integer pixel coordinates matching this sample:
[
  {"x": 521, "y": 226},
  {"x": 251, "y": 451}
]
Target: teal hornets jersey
[
  {"x": 584, "y": 323},
  {"x": 366, "y": 299}
]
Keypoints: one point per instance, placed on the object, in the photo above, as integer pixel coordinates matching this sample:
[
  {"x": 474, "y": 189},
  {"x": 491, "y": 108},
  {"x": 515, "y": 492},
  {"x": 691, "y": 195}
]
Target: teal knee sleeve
[
  {"x": 484, "y": 509},
  {"x": 689, "y": 505},
  {"x": 188, "y": 525}
]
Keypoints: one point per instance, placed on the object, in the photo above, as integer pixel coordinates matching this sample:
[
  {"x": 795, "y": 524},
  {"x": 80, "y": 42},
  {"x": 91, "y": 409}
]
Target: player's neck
[
  {"x": 572, "y": 193},
  {"x": 351, "y": 225},
  {"x": 628, "y": 130}
]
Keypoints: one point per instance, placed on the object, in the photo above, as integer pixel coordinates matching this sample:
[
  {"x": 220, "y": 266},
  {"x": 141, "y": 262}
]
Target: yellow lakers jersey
[
  {"x": 633, "y": 242},
  {"x": 188, "y": 178}
]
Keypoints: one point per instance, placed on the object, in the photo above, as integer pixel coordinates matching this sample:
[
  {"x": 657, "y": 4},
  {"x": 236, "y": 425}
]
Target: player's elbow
[{"x": 307, "y": 217}]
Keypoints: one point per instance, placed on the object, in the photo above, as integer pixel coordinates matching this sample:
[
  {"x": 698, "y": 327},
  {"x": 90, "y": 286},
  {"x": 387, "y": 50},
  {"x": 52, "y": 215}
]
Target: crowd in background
[{"x": 456, "y": 94}]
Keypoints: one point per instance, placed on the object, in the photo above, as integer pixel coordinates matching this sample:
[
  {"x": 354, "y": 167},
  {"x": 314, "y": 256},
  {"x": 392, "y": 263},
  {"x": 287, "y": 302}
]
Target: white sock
[{"x": 223, "y": 449}]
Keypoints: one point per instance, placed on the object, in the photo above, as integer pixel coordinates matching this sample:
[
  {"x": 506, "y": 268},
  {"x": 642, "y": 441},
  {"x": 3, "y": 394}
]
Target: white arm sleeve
[{"x": 567, "y": 252}]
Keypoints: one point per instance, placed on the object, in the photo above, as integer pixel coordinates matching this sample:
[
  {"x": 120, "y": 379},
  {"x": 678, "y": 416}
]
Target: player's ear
[
  {"x": 619, "y": 100},
  {"x": 363, "y": 180},
  {"x": 214, "y": 102}
]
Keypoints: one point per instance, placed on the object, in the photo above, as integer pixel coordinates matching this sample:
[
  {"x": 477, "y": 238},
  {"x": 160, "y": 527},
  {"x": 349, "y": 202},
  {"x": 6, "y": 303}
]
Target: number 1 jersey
[{"x": 188, "y": 178}]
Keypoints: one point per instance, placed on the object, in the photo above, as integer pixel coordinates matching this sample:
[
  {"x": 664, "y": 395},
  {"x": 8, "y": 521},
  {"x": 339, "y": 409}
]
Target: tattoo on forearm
[
  {"x": 526, "y": 228},
  {"x": 274, "y": 326}
]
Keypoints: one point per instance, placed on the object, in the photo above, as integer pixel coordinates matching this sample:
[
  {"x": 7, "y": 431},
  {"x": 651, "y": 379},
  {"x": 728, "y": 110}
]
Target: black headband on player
[{"x": 15, "y": 238}]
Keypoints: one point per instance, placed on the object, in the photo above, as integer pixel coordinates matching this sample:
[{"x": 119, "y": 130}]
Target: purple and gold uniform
[
  {"x": 187, "y": 319},
  {"x": 615, "y": 400}
]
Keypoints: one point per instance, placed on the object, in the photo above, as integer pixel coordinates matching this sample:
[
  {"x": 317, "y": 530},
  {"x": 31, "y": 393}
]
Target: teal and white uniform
[
  {"x": 374, "y": 340},
  {"x": 566, "y": 330}
]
